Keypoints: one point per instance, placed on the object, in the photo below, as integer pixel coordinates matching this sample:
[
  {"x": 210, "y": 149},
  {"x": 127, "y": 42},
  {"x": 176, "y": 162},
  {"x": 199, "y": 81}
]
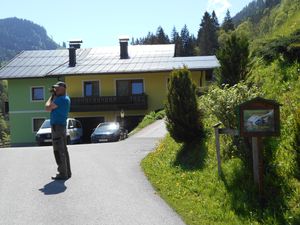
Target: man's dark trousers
[{"x": 61, "y": 154}]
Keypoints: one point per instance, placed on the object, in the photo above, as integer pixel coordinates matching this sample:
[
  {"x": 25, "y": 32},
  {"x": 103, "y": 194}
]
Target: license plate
[
  {"x": 101, "y": 140},
  {"x": 48, "y": 140}
]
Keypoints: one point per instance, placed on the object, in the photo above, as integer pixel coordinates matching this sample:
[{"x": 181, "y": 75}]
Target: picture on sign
[{"x": 259, "y": 120}]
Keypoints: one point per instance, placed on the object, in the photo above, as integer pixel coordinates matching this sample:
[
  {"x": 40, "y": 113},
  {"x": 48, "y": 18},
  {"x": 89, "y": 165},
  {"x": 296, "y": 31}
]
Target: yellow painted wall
[{"x": 155, "y": 86}]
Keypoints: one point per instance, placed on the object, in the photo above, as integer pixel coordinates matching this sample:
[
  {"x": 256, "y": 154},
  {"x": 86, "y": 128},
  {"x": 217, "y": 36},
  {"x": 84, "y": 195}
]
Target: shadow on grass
[
  {"x": 245, "y": 200},
  {"x": 191, "y": 156}
]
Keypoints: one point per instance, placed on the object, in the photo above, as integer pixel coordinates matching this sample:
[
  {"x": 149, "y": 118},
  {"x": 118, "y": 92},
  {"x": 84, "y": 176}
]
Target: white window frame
[
  {"x": 82, "y": 89},
  {"x": 32, "y": 123},
  {"x": 31, "y": 97}
]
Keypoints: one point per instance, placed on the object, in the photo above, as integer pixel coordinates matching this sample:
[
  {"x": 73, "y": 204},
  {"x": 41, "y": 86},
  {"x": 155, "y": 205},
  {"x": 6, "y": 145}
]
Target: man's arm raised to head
[{"x": 50, "y": 105}]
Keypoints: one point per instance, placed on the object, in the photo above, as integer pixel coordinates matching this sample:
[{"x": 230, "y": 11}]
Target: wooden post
[
  {"x": 257, "y": 164},
  {"x": 217, "y": 135}
]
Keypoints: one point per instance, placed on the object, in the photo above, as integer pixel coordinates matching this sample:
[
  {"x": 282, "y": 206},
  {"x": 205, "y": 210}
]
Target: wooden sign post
[{"x": 259, "y": 118}]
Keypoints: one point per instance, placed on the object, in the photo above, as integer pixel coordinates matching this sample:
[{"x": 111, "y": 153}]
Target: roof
[{"x": 105, "y": 60}]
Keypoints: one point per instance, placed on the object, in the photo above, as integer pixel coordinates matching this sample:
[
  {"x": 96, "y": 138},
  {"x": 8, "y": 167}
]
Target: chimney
[
  {"x": 76, "y": 43},
  {"x": 124, "y": 47},
  {"x": 72, "y": 57},
  {"x": 73, "y": 45}
]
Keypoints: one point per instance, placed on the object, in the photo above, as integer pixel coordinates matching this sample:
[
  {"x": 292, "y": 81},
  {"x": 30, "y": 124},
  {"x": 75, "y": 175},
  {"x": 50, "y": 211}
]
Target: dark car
[{"x": 109, "y": 131}]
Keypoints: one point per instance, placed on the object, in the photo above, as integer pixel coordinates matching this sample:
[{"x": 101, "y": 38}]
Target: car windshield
[
  {"x": 107, "y": 127},
  {"x": 46, "y": 124}
]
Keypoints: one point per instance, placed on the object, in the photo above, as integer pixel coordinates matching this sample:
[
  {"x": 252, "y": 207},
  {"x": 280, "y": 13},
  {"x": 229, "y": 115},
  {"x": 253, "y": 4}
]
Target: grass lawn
[{"x": 186, "y": 177}]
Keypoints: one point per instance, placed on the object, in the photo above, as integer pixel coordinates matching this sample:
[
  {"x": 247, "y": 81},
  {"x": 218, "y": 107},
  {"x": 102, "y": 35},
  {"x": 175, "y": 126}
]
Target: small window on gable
[
  {"x": 37, "y": 123},
  {"x": 37, "y": 94}
]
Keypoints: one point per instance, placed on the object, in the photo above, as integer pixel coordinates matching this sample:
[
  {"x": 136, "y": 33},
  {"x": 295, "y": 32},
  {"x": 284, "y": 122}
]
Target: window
[
  {"x": 91, "y": 88},
  {"x": 78, "y": 124},
  {"x": 37, "y": 123},
  {"x": 37, "y": 94},
  {"x": 130, "y": 87},
  {"x": 208, "y": 75}
]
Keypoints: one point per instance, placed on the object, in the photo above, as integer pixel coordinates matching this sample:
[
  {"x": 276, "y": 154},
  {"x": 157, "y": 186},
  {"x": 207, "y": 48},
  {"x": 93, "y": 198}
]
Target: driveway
[{"x": 108, "y": 186}]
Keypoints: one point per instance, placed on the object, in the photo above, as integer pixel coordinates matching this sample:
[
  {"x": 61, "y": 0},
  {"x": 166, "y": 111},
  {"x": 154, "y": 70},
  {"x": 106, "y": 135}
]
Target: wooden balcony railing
[{"x": 108, "y": 103}]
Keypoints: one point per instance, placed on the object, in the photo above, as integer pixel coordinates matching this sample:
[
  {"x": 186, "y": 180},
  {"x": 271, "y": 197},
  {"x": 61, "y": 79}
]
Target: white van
[{"x": 74, "y": 132}]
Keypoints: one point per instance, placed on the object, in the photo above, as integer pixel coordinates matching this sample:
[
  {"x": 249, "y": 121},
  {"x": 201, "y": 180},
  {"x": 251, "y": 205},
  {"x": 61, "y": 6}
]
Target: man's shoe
[{"x": 59, "y": 177}]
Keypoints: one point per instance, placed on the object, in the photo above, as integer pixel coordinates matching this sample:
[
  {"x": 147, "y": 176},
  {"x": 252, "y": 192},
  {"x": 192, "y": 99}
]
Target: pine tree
[
  {"x": 207, "y": 35},
  {"x": 161, "y": 37},
  {"x": 183, "y": 115},
  {"x": 228, "y": 23},
  {"x": 186, "y": 42},
  {"x": 215, "y": 20},
  {"x": 216, "y": 27},
  {"x": 175, "y": 39},
  {"x": 233, "y": 57}
]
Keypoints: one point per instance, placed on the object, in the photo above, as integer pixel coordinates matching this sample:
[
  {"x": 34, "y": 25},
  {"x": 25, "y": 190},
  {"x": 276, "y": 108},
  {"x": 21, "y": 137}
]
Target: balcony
[{"x": 109, "y": 103}]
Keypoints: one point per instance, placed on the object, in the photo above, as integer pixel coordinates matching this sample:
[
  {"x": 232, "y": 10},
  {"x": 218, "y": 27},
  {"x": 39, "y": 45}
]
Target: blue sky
[{"x": 100, "y": 23}]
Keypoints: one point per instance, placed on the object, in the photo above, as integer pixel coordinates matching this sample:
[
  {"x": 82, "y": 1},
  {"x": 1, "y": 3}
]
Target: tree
[
  {"x": 161, "y": 37},
  {"x": 183, "y": 115},
  {"x": 186, "y": 42},
  {"x": 175, "y": 39},
  {"x": 207, "y": 35},
  {"x": 228, "y": 23},
  {"x": 233, "y": 57}
]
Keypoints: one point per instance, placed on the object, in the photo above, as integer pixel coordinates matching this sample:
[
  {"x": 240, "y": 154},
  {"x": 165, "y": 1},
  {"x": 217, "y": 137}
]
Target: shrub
[
  {"x": 297, "y": 142},
  {"x": 183, "y": 115},
  {"x": 233, "y": 56},
  {"x": 221, "y": 104}
]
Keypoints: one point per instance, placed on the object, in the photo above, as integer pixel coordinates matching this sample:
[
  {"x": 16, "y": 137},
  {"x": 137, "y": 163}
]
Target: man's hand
[{"x": 50, "y": 105}]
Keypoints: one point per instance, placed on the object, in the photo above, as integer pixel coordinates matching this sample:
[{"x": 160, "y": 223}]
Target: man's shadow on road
[{"x": 54, "y": 187}]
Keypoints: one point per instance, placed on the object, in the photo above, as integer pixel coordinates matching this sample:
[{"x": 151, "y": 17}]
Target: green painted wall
[{"x": 22, "y": 110}]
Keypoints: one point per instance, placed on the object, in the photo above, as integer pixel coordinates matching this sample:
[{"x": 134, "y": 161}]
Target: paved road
[{"x": 108, "y": 186}]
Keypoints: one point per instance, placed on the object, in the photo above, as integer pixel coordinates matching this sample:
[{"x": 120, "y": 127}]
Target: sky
[{"x": 100, "y": 23}]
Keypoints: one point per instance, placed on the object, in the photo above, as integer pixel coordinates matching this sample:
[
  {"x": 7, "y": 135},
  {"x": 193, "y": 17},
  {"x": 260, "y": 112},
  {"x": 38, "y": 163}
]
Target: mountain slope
[{"x": 17, "y": 35}]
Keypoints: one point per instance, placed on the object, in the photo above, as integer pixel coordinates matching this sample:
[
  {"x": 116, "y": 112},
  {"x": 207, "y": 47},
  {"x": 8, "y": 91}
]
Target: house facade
[{"x": 101, "y": 83}]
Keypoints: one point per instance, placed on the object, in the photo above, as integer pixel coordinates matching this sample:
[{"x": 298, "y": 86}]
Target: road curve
[{"x": 108, "y": 186}]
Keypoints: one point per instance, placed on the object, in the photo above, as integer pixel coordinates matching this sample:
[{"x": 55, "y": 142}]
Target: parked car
[
  {"x": 109, "y": 131},
  {"x": 74, "y": 132}
]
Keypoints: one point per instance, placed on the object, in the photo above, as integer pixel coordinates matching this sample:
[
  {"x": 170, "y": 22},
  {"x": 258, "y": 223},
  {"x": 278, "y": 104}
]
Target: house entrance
[{"x": 88, "y": 124}]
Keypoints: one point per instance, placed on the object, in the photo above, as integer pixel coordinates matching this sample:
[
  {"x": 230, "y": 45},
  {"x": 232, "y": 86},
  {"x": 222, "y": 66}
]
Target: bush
[
  {"x": 233, "y": 56},
  {"x": 183, "y": 115},
  {"x": 297, "y": 142},
  {"x": 223, "y": 102}
]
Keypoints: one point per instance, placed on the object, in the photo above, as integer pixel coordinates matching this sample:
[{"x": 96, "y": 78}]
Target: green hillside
[
  {"x": 17, "y": 35},
  {"x": 186, "y": 176}
]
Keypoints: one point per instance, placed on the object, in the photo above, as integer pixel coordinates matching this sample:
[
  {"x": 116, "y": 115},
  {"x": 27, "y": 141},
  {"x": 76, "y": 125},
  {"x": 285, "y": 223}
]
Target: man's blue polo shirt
[{"x": 59, "y": 115}]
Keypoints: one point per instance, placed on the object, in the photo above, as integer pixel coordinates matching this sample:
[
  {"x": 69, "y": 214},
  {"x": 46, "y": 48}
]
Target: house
[{"x": 100, "y": 81}]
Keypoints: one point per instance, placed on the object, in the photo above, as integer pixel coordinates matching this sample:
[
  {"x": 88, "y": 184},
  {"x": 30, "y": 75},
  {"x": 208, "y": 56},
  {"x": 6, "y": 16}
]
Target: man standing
[{"x": 59, "y": 106}]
